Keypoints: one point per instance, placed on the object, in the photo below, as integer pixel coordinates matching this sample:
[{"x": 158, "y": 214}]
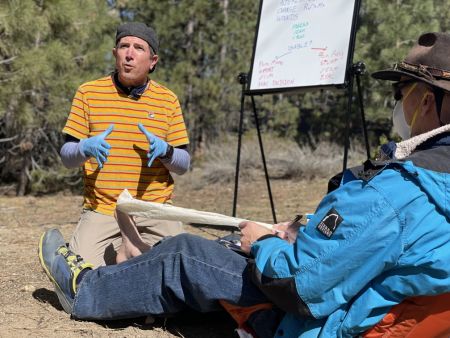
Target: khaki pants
[{"x": 97, "y": 237}]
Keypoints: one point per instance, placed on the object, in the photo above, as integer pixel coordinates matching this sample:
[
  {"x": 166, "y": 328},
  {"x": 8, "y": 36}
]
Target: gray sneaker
[{"x": 61, "y": 265}]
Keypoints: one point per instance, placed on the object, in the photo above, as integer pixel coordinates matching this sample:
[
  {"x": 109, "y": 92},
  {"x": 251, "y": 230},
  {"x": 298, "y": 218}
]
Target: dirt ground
[{"x": 30, "y": 308}]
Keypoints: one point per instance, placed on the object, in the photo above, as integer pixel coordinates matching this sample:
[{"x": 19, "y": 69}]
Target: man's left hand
[
  {"x": 158, "y": 147},
  {"x": 251, "y": 232}
]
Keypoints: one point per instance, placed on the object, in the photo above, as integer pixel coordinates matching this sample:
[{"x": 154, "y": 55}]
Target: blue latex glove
[
  {"x": 97, "y": 147},
  {"x": 157, "y": 148}
]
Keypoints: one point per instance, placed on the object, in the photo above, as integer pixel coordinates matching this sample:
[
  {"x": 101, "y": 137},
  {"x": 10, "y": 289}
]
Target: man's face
[
  {"x": 418, "y": 106},
  {"x": 134, "y": 59}
]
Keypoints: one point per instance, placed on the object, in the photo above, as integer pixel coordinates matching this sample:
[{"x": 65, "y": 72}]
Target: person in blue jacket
[{"x": 381, "y": 236}]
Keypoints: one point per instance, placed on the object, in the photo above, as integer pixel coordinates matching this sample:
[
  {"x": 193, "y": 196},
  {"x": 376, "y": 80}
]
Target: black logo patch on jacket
[{"x": 329, "y": 223}]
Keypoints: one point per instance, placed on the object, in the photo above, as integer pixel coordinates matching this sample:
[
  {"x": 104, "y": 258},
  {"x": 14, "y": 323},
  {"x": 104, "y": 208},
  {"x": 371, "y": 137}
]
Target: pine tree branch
[{"x": 11, "y": 59}]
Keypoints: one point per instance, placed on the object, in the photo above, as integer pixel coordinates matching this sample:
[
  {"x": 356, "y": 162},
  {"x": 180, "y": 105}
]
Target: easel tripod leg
[
  {"x": 255, "y": 113},
  {"x": 238, "y": 160}
]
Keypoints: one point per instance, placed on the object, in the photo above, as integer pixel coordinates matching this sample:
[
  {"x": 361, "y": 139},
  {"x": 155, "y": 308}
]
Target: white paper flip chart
[{"x": 301, "y": 43}]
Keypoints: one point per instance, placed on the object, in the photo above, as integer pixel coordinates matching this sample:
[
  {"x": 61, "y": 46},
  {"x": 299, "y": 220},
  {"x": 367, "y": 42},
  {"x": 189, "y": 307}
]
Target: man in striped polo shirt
[{"x": 128, "y": 132}]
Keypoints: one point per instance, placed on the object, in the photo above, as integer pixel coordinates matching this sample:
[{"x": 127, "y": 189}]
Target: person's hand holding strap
[
  {"x": 251, "y": 232},
  {"x": 158, "y": 147},
  {"x": 288, "y": 230},
  {"x": 97, "y": 147}
]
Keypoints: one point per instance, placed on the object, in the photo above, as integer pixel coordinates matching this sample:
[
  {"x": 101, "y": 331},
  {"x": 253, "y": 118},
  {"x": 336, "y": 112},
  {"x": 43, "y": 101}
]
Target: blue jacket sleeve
[{"x": 323, "y": 270}]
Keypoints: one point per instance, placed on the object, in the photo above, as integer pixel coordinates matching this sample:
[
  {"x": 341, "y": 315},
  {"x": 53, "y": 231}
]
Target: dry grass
[{"x": 285, "y": 159}]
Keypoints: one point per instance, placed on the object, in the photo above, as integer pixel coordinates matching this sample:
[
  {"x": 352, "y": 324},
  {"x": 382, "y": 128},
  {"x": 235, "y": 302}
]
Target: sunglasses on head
[{"x": 397, "y": 88}]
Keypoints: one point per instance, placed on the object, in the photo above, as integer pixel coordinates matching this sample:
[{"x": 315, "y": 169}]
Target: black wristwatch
[{"x": 169, "y": 153}]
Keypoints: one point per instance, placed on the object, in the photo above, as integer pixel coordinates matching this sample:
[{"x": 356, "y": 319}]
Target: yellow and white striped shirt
[{"x": 99, "y": 103}]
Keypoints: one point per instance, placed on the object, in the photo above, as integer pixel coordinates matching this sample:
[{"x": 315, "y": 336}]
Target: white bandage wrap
[{"x": 126, "y": 203}]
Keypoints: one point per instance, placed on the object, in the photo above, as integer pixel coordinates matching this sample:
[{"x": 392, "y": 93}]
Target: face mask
[{"x": 400, "y": 125}]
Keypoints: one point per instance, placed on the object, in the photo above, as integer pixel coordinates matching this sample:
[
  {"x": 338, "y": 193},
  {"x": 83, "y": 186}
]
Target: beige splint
[{"x": 126, "y": 203}]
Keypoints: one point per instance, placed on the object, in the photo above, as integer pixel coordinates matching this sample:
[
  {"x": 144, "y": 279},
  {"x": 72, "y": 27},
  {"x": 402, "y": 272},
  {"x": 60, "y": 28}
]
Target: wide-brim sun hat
[{"x": 428, "y": 61}]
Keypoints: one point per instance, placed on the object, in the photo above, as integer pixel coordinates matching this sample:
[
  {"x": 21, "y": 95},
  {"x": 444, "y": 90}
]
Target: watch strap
[{"x": 169, "y": 153}]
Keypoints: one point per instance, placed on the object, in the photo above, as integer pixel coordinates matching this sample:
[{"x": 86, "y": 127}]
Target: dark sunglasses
[{"x": 397, "y": 88}]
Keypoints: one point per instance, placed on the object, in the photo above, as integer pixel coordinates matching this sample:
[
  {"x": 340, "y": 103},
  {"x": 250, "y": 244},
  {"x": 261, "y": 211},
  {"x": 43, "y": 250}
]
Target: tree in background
[{"x": 47, "y": 49}]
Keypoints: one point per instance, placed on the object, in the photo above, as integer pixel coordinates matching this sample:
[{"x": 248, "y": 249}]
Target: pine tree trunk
[
  {"x": 23, "y": 180},
  {"x": 189, "y": 116},
  {"x": 223, "y": 49},
  {"x": 24, "y": 175}
]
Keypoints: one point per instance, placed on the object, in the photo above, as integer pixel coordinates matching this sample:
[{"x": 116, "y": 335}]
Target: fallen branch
[{"x": 8, "y": 139}]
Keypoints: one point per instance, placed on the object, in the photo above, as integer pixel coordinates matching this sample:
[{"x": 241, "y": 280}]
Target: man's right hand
[{"x": 97, "y": 147}]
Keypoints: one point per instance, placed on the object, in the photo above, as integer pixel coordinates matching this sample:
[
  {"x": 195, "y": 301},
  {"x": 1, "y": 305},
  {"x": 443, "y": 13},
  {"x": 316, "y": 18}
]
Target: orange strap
[
  {"x": 241, "y": 314},
  {"x": 417, "y": 317}
]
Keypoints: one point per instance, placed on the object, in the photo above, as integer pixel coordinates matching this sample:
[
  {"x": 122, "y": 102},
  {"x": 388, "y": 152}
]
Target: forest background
[{"x": 49, "y": 47}]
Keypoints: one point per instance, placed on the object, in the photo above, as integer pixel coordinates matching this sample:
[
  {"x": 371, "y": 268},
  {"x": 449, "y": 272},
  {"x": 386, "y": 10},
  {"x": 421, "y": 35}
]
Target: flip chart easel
[{"x": 302, "y": 45}]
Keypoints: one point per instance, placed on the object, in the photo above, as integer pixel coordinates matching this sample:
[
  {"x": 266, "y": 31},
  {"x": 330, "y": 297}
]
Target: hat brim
[{"x": 396, "y": 75}]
